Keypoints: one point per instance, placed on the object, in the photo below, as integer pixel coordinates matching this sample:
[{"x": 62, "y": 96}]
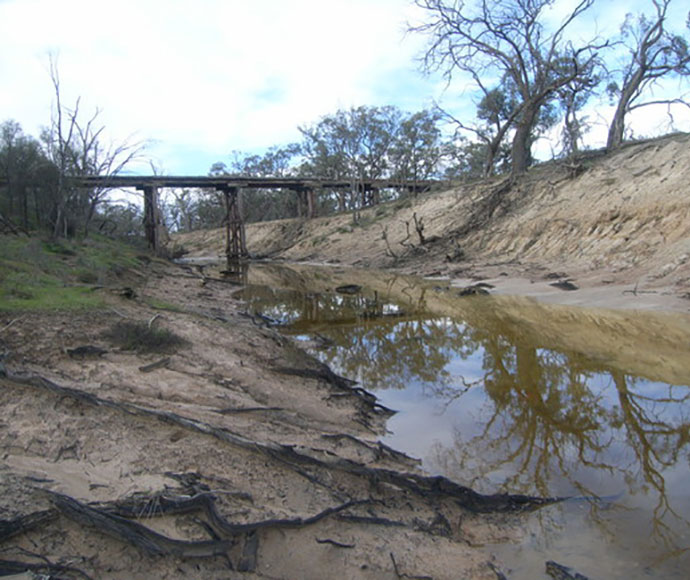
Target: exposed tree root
[
  {"x": 50, "y": 571},
  {"x": 425, "y": 487},
  {"x": 16, "y": 526},
  {"x": 324, "y": 373},
  {"x": 136, "y": 534},
  {"x": 115, "y": 519}
]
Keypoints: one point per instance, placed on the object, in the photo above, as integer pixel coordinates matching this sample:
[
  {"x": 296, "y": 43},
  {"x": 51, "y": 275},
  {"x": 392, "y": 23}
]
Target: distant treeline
[{"x": 531, "y": 74}]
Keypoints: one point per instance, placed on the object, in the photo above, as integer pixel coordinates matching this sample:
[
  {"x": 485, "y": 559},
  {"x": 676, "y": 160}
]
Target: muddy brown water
[{"x": 506, "y": 395}]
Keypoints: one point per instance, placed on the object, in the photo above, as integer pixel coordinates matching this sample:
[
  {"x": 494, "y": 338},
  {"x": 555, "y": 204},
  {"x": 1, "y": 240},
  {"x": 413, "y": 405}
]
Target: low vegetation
[
  {"x": 143, "y": 337},
  {"x": 36, "y": 274}
]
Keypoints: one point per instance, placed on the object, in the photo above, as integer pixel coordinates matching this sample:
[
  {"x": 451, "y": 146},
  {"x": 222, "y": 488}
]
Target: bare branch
[{"x": 509, "y": 40}]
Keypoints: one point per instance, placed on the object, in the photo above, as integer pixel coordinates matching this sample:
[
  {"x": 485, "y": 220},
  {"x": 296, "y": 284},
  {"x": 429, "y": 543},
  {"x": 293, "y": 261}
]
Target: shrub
[{"x": 143, "y": 337}]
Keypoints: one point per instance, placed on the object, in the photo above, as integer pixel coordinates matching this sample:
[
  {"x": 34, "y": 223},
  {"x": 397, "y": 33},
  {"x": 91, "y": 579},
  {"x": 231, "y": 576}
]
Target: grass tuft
[{"x": 143, "y": 338}]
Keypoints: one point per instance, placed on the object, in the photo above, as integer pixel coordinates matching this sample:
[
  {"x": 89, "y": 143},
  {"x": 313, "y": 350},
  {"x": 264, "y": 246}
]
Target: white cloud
[
  {"x": 204, "y": 77},
  {"x": 211, "y": 75}
]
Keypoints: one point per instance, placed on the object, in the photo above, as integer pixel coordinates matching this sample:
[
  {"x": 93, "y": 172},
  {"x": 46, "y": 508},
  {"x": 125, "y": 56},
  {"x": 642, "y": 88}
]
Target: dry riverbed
[{"x": 232, "y": 454}]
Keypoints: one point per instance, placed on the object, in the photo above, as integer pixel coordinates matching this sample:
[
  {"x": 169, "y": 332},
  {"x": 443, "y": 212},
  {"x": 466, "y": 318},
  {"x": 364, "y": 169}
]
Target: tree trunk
[
  {"x": 617, "y": 128},
  {"x": 89, "y": 216},
  {"x": 491, "y": 152},
  {"x": 521, "y": 151},
  {"x": 25, "y": 207}
]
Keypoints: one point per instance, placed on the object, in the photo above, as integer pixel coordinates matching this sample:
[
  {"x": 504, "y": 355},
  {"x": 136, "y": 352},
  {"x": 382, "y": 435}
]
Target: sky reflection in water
[{"x": 493, "y": 408}]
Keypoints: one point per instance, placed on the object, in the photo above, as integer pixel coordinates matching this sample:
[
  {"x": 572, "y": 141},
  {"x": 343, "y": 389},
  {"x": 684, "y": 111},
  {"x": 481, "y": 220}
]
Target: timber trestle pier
[{"x": 231, "y": 188}]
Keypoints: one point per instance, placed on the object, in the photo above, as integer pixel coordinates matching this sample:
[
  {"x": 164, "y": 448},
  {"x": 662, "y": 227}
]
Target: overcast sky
[{"x": 201, "y": 78}]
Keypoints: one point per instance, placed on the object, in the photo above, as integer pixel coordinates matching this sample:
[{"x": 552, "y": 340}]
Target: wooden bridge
[
  {"x": 231, "y": 187},
  {"x": 236, "y": 247}
]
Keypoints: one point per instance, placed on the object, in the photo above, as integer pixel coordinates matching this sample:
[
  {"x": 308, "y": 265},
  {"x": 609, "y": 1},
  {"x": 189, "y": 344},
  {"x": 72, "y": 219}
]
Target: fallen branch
[
  {"x": 155, "y": 365},
  {"x": 419, "y": 227},
  {"x": 233, "y": 410},
  {"x": 371, "y": 520},
  {"x": 333, "y": 543},
  {"x": 10, "y": 323},
  {"x": 402, "y": 575},
  {"x": 384, "y": 236},
  {"x": 559, "y": 572}
]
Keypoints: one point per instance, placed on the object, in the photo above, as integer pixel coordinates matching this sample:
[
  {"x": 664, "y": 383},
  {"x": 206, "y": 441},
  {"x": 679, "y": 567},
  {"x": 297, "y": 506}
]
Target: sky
[{"x": 198, "y": 79}]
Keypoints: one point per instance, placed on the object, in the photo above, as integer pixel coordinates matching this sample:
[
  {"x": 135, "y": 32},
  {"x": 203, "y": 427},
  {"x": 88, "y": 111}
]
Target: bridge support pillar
[
  {"x": 306, "y": 200},
  {"x": 311, "y": 202},
  {"x": 235, "y": 241},
  {"x": 154, "y": 228}
]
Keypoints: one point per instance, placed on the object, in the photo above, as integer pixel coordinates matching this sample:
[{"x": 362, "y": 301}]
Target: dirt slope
[
  {"x": 234, "y": 455},
  {"x": 619, "y": 219}
]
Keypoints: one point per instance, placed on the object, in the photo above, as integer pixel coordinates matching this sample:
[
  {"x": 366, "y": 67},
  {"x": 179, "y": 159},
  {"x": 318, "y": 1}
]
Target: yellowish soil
[{"x": 617, "y": 225}]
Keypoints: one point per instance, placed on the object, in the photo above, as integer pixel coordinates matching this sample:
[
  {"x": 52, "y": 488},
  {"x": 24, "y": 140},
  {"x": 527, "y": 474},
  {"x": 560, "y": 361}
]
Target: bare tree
[
  {"x": 653, "y": 53},
  {"x": 508, "y": 39},
  {"x": 77, "y": 148},
  {"x": 572, "y": 99},
  {"x": 496, "y": 113}
]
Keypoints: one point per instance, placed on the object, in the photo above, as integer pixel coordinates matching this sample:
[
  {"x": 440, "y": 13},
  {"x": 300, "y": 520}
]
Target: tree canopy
[{"x": 508, "y": 40}]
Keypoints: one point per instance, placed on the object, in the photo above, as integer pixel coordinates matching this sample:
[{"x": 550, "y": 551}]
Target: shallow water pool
[{"x": 507, "y": 395}]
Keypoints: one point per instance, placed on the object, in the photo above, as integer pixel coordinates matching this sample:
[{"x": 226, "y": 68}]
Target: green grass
[{"x": 39, "y": 274}]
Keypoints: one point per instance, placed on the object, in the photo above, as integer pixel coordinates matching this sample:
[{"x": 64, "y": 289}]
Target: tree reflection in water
[{"x": 551, "y": 423}]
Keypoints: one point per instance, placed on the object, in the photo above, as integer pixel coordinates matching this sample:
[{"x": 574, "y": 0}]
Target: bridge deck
[
  {"x": 222, "y": 182},
  {"x": 306, "y": 189}
]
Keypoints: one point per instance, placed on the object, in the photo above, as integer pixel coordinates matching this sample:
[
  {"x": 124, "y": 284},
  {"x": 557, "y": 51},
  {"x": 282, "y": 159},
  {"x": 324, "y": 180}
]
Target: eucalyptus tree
[
  {"x": 368, "y": 143},
  {"x": 354, "y": 144},
  {"x": 509, "y": 40},
  {"x": 496, "y": 112},
  {"x": 572, "y": 99},
  {"x": 465, "y": 159},
  {"x": 653, "y": 53},
  {"x": 260, "y": 204},
  {"x": 418, "y": 147}
]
